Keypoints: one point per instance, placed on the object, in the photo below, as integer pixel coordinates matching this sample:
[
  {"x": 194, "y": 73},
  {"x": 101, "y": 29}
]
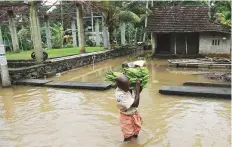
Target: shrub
[
  {"x": 90, "y": 43},
  {"x": 68, "y": 45}
]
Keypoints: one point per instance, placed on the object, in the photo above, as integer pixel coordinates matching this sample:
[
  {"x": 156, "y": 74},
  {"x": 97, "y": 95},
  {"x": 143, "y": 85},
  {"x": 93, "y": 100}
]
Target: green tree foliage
[
  {"x": 25, "y": 42},
  {"x": 132, "y": 12},
  {"x": 57, "y": 35},
  {"x": 221, "y": 12}
]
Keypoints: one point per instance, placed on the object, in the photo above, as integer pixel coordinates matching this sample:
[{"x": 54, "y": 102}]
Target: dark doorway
[
  {"x": 193, "y": 43},
  {"x": 163, "y": 43},
  {"x": 187, "y": 43},
  {"x": 180, "y": 43}
]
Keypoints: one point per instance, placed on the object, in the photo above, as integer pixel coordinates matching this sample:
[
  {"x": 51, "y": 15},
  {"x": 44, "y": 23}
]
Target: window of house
[{"x": 215, "y": 42}]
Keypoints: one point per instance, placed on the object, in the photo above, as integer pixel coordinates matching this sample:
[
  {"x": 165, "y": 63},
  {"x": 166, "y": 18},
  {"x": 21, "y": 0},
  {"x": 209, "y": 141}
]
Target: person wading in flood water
[{"x": 127, "y": 103}]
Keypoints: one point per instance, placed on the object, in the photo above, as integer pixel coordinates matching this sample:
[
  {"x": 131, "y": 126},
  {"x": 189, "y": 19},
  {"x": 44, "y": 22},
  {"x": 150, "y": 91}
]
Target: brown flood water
[{"x": 35, "y": 116}]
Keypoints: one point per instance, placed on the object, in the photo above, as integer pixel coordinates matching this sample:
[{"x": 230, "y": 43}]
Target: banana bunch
[
  {"x": 112, "y": 76},
  {"x": 140, "y": 73}
]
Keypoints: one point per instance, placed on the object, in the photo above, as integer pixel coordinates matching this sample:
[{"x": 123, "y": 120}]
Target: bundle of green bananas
[
  {"x": 112, "y": 76},
  {"x": 140, "y": 73}
]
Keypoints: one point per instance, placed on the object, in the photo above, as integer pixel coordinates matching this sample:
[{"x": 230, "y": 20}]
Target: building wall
[{"x": 206, "y": 41}]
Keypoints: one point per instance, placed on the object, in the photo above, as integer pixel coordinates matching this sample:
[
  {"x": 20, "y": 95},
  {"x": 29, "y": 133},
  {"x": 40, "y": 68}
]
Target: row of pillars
[
  {"x": 35, "y": 30},
  {"x": 34, "y": 23},
  {"x": 36, "y": 35}
]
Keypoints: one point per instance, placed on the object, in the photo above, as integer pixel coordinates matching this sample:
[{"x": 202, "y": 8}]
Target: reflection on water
[{"x": 35, "y": 116}]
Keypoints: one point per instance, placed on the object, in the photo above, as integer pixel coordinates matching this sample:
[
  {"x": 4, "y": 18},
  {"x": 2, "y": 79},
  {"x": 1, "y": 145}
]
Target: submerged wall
[{"x": 57, "y": 65}]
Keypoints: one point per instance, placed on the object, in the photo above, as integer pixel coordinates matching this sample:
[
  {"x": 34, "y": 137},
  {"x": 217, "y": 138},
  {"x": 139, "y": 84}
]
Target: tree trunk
[
  {"x": 1, "y": 40},
  {"x": 105, "y": 33},
  {"x": 80, "y": 26},
  {"x": 123, "y": 33},
  {"x": 209, "y": 7},
  {"x": 129, "y": 33},
  {"x": 92, "y": 21},
  {"x": 20, "y": 38},
  {"x": 35, "y": 31},
  {"x": 97, "y": 33},
  {"x": 136, "y": 30},
  {"x": 13, "y": 31},
  {"x": 48, "y": 32},
  {"x": 144, "y": 35},
  {"x": 141, "y": 35},
  {"x": 74, "y": 33}
]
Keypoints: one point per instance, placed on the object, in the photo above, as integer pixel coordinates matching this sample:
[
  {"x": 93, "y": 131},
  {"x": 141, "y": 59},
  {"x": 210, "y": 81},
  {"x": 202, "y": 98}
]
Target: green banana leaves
[{"x": 140, "y": 73}]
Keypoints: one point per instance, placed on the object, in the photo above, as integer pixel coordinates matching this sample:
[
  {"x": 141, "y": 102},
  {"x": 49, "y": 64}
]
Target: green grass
[{"x": 51, "y": 53}]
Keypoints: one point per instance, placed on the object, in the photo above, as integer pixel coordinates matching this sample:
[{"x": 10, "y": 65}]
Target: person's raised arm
[{"x": 137, "y": 94}]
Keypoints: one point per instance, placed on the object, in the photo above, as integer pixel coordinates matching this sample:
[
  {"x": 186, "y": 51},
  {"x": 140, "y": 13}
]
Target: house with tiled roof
[{"x": 187, "y": 30}]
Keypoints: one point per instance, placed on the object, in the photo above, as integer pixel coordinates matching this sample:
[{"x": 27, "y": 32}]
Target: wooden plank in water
[
  {"x": 208, "y": 84},
  {"x": 196, "y": 91},
  {"x": 79, "y": 85},
  {"x": 35, "y": 82},
  {"x": 200, "y": 65}
]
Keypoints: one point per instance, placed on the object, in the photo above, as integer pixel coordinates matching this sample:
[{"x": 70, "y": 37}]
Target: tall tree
[
  {"x": 80, "y": 25},
  {"x": 35, "y": 31},
  {"x": 13, "y": 31}
]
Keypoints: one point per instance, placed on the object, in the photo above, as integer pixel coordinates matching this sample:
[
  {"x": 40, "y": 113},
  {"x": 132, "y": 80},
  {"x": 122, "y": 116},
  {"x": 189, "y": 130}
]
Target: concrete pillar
[
  {"x": 123, "y": 33},
  {"x": 1, "y": 40},
  {"x": 97, "y": 33},
  {"x": 4, "y": 68},
  {"x": 80, "y": 25},
  {"x": 153, "y": 42},
  {"x": 48, "y": 32},
  {"x": 35, "y": 31},
  {"x": 13, "y": 31},
  {"x": 74, "y": 33}
]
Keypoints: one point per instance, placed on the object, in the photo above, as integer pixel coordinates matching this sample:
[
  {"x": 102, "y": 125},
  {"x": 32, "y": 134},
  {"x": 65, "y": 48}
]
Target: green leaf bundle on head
[{"x": 140, "y": 73}]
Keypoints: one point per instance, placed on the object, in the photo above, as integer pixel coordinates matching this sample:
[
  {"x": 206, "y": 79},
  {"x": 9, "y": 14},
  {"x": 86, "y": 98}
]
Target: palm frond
[{"x": 128, "y": 16}]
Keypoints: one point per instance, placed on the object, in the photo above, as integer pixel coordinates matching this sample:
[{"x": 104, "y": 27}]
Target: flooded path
[{"x": 35, "y": 116}]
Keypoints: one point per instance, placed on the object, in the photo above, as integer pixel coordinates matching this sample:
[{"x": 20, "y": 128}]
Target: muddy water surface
[{"x": 35, "y": 116}]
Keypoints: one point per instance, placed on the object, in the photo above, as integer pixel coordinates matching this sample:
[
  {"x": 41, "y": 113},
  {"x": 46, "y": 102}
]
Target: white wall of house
[{"x": 214, "y": 43}]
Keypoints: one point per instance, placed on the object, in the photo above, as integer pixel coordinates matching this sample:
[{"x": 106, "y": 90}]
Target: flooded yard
[{"x": 36, "y": 116}]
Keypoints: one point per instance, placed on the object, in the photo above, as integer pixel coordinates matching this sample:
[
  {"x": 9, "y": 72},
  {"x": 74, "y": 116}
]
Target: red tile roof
[{"x": 168, "y": 19}]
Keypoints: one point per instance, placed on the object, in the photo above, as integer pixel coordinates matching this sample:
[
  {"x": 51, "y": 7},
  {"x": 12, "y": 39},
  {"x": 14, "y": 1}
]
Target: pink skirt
[{"x": 130, "y": 124}]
